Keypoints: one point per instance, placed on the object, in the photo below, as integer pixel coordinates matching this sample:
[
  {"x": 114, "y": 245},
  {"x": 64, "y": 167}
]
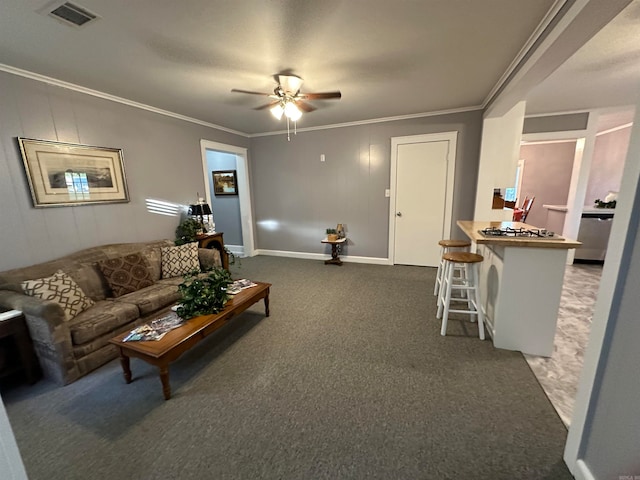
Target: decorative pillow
[
  {"x": 179, "y": 260},
  {"x": 126, "y": 274},
  {"x": 61, "y": 289}
]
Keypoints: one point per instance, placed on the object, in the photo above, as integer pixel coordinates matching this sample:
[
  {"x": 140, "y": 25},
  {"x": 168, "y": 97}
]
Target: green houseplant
[
  {"x": 332, "y": 234},
  {"x": 187, "y": 230},
  {"x": 203, "y": 294}
]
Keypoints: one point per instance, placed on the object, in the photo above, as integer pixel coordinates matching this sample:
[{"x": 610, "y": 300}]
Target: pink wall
[
  {"x": 609, "y": 155},
  {"x": 547, "y": 175}
]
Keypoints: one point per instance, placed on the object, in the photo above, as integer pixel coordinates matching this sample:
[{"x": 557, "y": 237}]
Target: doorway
[
  {"x": 422, "y": 177},
  {"x": 238, "y": 158}
]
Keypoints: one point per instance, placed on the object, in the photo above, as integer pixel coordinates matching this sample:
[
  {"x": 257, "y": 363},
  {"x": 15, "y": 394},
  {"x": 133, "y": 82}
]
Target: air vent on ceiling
[{"x": 72, "y": 14}]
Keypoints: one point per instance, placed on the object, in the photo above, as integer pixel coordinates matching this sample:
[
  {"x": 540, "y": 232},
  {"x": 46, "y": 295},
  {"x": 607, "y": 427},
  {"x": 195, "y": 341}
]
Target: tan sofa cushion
[
  {"x": 102, "y": 318},
  {"x": 152, "y": 298},
  {"x": 89, "y": 277}
]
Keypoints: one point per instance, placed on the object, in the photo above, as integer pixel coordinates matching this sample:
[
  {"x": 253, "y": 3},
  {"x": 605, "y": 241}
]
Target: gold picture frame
[{"x": 65, "y": 174}]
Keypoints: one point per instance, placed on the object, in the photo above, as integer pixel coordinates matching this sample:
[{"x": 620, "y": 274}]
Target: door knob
[{"x": 398, "y": 214}]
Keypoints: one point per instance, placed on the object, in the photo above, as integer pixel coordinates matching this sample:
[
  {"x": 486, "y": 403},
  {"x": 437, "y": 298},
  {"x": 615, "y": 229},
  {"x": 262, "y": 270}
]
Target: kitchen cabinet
[{"x": 521, "y": 283}]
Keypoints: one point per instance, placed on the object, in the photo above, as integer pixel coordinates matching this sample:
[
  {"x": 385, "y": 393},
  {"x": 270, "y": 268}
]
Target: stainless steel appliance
[{"x": 595, "y": 228}]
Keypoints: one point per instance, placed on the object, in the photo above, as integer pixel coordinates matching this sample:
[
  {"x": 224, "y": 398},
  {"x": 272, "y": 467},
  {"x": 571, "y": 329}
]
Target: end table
[
  {"x": 335, "y": 250},
  {"x": 13, "y": 328}
]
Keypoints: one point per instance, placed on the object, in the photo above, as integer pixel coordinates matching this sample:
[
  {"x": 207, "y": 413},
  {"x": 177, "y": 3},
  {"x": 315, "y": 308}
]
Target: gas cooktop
[{"x": 508, "y": 232}]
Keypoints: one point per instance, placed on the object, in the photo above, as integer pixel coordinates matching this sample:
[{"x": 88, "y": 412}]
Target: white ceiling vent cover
[{"x": 72, "y": 14}]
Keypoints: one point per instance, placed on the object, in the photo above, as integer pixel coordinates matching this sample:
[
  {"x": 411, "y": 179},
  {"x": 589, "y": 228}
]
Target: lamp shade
[
  {"x": 200, "y": 209},
  {"x": 277, "y": 111},
  {"x": 292, "y": 111}
]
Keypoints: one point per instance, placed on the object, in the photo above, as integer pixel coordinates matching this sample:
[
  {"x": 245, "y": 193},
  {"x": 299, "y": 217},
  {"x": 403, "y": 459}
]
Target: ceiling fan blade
[
  {"x": 272, "y": 104},
  {"x": 320, "y": 96},
  {"x": 236, "y": 90},
  {"x": 305, "y": 106}
]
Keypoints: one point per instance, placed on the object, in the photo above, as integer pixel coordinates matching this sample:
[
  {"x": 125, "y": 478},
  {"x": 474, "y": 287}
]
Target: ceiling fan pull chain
[{"x": 288, "y": 137}]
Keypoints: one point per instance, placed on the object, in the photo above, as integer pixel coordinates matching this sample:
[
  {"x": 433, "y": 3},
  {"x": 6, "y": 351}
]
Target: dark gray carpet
[{"x": 349, "y": 378}]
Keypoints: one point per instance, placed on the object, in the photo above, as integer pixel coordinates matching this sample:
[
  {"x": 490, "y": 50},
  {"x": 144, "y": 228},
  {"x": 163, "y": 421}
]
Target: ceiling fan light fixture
[
  {"x": 290, "y": 83},
  {"x": 277, "y": 111},
  {"x": 292, "y": 111}
]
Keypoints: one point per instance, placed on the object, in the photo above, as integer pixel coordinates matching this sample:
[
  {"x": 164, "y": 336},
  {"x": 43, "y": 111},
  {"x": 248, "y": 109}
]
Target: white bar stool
[
  {"x": 468, "y": 284},
  {"x": 446, "y": 247}
]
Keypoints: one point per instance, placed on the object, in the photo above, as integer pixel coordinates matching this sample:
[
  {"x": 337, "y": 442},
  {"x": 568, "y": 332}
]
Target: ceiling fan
[{"x": 288, "y": 99}]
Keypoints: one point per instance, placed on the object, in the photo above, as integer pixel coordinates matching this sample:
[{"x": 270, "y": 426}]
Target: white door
[{"x": 423, "y": 197}]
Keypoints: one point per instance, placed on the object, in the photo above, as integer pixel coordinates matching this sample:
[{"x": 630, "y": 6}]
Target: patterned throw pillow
[
  {"x": 179, "y": 260},
  {"x": 61, "y": 289},
  {"x": 126, "y": 274}
]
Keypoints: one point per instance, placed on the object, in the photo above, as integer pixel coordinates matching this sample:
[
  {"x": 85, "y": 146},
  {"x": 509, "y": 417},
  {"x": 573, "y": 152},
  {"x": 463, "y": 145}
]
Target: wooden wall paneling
[{"x": 63, "y": 115}]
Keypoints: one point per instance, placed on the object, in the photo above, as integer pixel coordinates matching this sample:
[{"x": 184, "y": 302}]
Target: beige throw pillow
[
  {"x": 179, "y": 260},
  {"x": 61, "y": 289}
]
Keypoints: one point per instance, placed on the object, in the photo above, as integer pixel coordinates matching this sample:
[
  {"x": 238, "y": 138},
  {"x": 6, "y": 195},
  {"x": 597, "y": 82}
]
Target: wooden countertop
[{"x": 470, "y": 229}]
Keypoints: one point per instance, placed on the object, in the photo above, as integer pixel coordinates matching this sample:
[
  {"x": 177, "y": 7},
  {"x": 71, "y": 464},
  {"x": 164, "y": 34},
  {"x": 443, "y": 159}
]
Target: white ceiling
[
  {"x": 603, "y": 74},
  {"x": 388, "y": 58}
]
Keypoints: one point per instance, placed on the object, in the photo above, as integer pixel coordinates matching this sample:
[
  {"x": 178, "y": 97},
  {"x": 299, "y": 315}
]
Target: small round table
[{"x": 335, "y": 250}]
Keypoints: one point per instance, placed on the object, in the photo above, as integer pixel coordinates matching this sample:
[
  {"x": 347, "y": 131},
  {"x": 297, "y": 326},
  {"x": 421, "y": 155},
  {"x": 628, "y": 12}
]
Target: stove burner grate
[{"x": 517, "y": 232}]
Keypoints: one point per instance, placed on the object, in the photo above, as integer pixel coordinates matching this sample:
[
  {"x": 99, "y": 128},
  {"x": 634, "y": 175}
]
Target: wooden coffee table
[{"x": 164, "y": 351}]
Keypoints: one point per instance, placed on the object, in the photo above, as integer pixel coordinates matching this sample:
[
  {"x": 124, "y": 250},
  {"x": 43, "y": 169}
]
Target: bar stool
[
  {"x": 446, "y": 247},
  {"x": 468, "y": 284}
]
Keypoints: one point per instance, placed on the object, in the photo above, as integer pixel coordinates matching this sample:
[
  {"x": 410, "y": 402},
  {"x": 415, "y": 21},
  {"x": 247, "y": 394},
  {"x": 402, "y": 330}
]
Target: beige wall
[
  {"x": 609, "y": 155},
  {"x": 547, "y": 175}
]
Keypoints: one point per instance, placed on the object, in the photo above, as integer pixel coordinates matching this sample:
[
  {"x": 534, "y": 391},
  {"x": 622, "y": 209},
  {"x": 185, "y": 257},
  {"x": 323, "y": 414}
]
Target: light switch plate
[{"x": 387, "y": 192}]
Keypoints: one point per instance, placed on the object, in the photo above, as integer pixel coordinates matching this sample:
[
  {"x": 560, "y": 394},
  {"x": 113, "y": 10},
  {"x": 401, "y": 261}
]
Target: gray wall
[
  {"x": 226, "y": 208},
  {"x": 162, "y": 161},
  {"x": 607, "y": 164},
  {"x": 547, "y": 176},
  {"x": 296, "y": 196}
]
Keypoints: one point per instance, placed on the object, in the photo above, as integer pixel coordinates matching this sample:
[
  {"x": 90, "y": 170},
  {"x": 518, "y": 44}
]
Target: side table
[
  {"x": 214, "y": 240},
  {"x": 335, "y": 250},
  {"x": 17, "y": 346}
]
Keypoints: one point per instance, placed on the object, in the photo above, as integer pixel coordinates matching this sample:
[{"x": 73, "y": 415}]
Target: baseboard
[
  {"x": 582, "y": 471},
  {"x": 323, "y": 256},
  {"x": 237, "y": 250}
]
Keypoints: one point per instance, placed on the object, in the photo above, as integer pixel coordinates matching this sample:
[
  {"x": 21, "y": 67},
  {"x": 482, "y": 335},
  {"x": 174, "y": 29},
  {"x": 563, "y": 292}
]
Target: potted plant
[
  {"x": 332, "y": 234},
  {"x": 187, "y": 231},
  {"x": 203, "y": 295}
]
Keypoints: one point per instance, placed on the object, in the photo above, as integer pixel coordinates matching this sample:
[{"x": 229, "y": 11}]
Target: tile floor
[{"x": 560, "y": 373}]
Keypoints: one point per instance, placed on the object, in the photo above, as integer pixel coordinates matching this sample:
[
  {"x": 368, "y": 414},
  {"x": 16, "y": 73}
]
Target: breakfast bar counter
[{"x": 521, "y": 282}]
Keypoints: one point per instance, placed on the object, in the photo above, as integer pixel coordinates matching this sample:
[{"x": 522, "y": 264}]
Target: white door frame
[
  {"x": 452, "y": 137},
  {"x": 244, "y": 190}
]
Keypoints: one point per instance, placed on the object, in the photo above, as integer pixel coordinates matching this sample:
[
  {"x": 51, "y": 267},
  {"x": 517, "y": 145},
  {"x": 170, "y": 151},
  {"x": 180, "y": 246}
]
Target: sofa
[{"x": 72, "y": 338}]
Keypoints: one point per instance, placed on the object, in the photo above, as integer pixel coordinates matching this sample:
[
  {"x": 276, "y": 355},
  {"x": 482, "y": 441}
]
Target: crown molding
[
  {"x": 373, "y": 120},
  {"x": 106, "y": 96},
  {"x": 615, "y": 129},
  {"x": 539, "y": 34}
]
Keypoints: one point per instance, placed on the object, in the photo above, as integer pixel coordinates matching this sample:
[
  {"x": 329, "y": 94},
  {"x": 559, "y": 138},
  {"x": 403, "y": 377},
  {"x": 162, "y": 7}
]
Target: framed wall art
[
  {"x": 63, "y": 174},
  {"x": 225, "y": 182}
]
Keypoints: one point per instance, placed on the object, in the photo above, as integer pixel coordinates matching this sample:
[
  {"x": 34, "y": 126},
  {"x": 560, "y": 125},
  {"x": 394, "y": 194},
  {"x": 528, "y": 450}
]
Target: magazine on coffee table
[
  {"x": 154, "y": 330},
  {"x": 238, "y": 285}
]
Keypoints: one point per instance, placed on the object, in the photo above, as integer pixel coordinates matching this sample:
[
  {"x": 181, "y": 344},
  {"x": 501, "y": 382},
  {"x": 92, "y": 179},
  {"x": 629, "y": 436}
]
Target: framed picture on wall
[
  {"x": 225, "y": 182},
  {"x": 63, "y": 174}
]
